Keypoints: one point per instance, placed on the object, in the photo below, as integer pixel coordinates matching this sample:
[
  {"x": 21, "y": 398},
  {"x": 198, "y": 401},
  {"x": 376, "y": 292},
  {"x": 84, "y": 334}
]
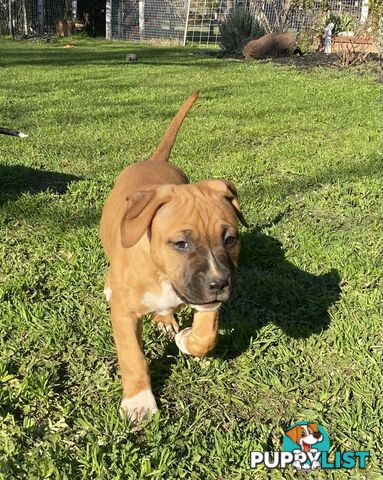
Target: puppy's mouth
[{"x": 205, "y": 307}]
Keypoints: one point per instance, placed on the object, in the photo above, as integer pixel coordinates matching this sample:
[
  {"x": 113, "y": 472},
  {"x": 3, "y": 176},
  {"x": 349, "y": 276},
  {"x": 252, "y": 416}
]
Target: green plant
[
  {"x": 342, "y": 23},
  {"x": 305, "y": 41},
  {"x": 375, "y": 15},
  {"x": 238, "y": 29}
]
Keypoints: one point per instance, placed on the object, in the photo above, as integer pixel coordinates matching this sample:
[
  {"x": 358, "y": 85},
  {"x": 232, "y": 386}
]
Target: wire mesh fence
[
  {"x": 195, "y": 21},
  {"x": 31, "y": 17},
  {"x": 149, "y": 19},
  {"x": 205, "y": 16},
  {"x": 282, "y": 15}
]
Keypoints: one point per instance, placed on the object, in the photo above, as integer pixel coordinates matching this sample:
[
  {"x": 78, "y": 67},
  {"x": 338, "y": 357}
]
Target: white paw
[
  {"x": 180, "y": 340},
  {"x": 108, "y": 294},
  {"x": 138, "y": 408}
]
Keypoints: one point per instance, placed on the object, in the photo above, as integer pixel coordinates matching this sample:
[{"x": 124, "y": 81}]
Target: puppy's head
[{"x": 193, "y": 236}]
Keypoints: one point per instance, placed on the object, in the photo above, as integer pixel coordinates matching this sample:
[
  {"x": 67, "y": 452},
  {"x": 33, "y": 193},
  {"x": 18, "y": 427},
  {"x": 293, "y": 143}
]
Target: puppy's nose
[
  {"x": 317, "y": 434},
  {"x": 218, "y": 284}
]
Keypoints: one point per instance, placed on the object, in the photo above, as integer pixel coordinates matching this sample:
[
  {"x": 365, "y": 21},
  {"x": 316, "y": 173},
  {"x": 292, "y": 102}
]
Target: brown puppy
[{"x": 169, "y": 243}]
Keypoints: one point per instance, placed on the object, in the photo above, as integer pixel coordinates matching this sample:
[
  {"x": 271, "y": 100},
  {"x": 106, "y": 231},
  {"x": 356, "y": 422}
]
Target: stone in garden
[{"x": 131, "y": 57}]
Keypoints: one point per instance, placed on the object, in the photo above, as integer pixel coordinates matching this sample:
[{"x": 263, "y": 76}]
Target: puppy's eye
[
  {"x": 303, "y": 434},
  {"x": 181, "y": 245},
  {"x": 230, "y": 240}
]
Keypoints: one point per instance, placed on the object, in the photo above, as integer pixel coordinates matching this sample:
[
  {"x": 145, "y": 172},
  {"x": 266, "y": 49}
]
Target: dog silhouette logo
[
  {"x": 306, "y": 447},
  {"x": 310, "y": 439}
]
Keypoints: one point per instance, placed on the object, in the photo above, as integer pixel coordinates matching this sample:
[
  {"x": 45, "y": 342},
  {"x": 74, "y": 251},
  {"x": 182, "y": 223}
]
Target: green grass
[{"x": 302, "y": 337}]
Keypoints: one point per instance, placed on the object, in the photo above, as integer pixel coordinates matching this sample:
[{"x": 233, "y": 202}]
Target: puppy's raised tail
[{"x": 162, "y": 152}]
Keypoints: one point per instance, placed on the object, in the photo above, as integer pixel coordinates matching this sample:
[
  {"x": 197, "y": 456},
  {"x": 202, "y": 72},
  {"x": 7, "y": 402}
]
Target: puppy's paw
[
  {"x": 167, "y": 324},
  {"x": 138, "y": 408},
  {"x": 180, "y": 339}
]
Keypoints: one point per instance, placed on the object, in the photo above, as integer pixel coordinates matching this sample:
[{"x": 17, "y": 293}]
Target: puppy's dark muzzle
[
  {"x": 220, "y": 287},
  {"x": 216, "y": 291},
  {"x": 202, "y": 293}
]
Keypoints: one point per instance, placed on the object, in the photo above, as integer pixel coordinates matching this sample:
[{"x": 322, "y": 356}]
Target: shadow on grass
[
  {"x": 17, "y": 179},
  {"x": 269, "y": 289},
  {"x": 115, "y": 55}
]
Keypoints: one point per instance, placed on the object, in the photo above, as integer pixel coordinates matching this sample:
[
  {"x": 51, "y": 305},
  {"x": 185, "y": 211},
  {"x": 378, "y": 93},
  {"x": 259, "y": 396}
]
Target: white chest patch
[{"x": 164, "y": 302}]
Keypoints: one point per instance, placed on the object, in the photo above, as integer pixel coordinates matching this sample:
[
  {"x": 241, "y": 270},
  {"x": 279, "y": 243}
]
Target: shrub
[
  {"x": 375, "y": 16},
  {"x": 352, "y": 53},
  {"x": 305, "y": 41},
  {"x": 238, "y": 29}
]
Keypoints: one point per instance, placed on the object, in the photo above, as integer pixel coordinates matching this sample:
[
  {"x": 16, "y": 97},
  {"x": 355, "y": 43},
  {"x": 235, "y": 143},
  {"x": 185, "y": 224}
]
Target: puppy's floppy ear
[
  {"x": 140, "y": 210},
  {"x": 313, "y": 426},
  {"x": 229, "y": 192},
  {"x": 294, "y": 434}
]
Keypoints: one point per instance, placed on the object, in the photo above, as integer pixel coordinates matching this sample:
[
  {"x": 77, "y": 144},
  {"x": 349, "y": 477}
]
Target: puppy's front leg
[
  {"x": 199, "y": 339},
  {"x": 138, "y": 400}
]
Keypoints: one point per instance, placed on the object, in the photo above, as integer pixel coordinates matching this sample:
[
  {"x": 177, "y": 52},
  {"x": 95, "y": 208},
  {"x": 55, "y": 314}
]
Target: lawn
[{"x": 302, "y": 338}]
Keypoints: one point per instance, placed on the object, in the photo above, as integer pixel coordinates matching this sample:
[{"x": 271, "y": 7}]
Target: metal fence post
[
  {"x": 74, "y": 9},
  {"x": 10, "y": 19},
  {"x": 108, "y": 20},
  {"x": 40, "y": 16},
  {"x": 364, "y": 12},
  {"x": 25, "y": 18},
  {"x": 141, "y": 18},
  {"x": 186, "y": 22}
]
